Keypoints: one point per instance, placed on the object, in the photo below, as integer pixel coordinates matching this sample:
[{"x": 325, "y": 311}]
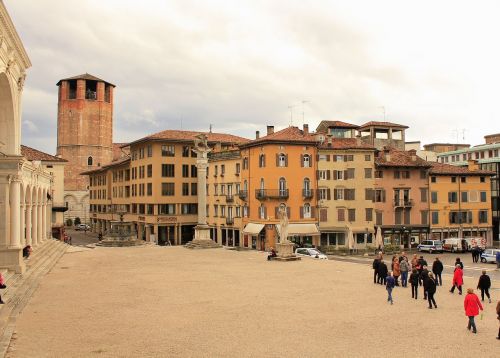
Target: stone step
[{"x": 202, "y": 244}]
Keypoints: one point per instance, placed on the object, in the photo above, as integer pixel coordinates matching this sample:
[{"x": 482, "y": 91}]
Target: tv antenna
[
  {"x": 303, "y": 113},
  {"x": 291, "y": 107},
  {"x": 383, "y": 111}
]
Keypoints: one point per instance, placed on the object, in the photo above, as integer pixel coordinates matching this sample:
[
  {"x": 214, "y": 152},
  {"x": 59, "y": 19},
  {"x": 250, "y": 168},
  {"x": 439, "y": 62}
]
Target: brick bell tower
[{"x": 84, "y": 135}]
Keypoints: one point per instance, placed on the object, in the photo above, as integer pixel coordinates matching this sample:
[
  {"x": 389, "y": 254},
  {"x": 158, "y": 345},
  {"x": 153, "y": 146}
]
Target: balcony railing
[
  {"x": 229, "y": 221},
  {"x": 408, "y": 203},
  {"x": 229, "y": 198},
  {"x": 243, "y": 194},
  {"x": 271, "y": 194},
  {"x": 307, "y": 193}
]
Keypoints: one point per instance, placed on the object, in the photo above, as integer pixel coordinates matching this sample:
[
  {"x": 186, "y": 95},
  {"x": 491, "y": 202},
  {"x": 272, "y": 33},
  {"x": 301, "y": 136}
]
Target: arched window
[
  {"x": 307, "y": 211},
  {"x": 306, "y": 161},
  {"x": 306, "y": 189},
  {"x": 262, "y": 161},
  {"x": 262, "y": 183},
  {"x": 245, "y": 163},
  {"x": 262, "y": 211},
  {"x": 282, "y": 187},
  {"x": 281, "y": 160},
  {"x": 90, "y": 161}
]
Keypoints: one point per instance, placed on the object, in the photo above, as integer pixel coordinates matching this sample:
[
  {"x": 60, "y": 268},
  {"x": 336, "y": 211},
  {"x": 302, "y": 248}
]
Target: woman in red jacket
[
  {"x": 458, "y": 279},
  {"x": 472, "y": 306}
]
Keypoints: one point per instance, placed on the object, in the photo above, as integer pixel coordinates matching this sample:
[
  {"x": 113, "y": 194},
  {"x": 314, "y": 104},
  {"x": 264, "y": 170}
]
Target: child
[{"x": 389, "y": 285}]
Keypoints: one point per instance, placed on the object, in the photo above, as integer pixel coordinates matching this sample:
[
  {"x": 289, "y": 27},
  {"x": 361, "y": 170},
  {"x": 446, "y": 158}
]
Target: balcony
[
  {"x": 229, "y": 198},
  {"x": 403, "y": 203},
  {"x": 307, "y": 193},
  {"x": 229, "y": 221},
  {"x": 243, "y": 194},
  {"x": 262, "y": 194}
]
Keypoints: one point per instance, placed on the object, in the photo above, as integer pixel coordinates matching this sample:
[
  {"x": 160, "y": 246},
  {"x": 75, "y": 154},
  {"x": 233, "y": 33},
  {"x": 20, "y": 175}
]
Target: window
[
  {"x": 262, "y": 161},
  {"x": 435, "y": 217},
  {"x": 306, "y": 161},
  {"x": 306, "y": 211},
  {"x": 369, "y": 194},
  {"x": 483, "y": 197},
  {"x": 368, "y": 173},
  {"x": 424, "y": 217},
  {"x": 167, "y": 189},
  {"x": 369, "y": 214},
  {"x": 185, "y": 189},
  {"x": 185, "y": 171},
  {"x": 90, "y": 161},
  {"x": 397, "y": 175},
  {"x": 167, "y": 170},
  {"x": 222, "y": 189},
  {"x": 463, "y": 179},
  {"x": 379, "y": 174},
  {"x": 194, "y": 171},
  {"x": 245, "y": 163},
  {"x": 185, "y": 151},
  {"x": 166, "y": 209},
  {"x": 368, "y": 157},
  {"x": 434, "y": 197},
  {"x": 423, "y": 174},
  {"x": 483, "y": 216},
  {"x": 150, "y": 189},
  {"x": 282, "y": 160},
  {"x": 323, "y": 174},
  {"x": 338, "y": 194},
  {"x": 405, "y": 174},
  {"x": 238, "y": 168},
  {"x": 238, "y": 212},
  {"x": 150, "y": 151},
  {"x": 338, "y": 175},
  {"x": 341, "y": 214},
  {"x": 222, "y": 169},
  {"x": 433, "y": 179},
  {"x": 378, "y": 217},
  {"x": 482, "y": 179},
  {"x": 223, "y": 210},
  {"x": 379, "y": 195},
  {"x": 189, "y": 209},
  {"x": 167, "y": 151},
  {"x": 465, "y": 197},
  {"x": 216, "y": 189},
  {"x": 324, "y": 194},
  {"x": 194, "y": 188},
  {"x": 262, "y": 212},
  {"x": 423, "y": 195},
  {"x": 150, "y": 170},
  {"x": 216, "y": 210},
  {"x": 453, "y": 179},
  {"x": 452, "y": 197}
]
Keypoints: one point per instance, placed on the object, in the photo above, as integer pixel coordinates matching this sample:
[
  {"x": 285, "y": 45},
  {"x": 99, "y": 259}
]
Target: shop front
[{"x": 406, "y": 236}]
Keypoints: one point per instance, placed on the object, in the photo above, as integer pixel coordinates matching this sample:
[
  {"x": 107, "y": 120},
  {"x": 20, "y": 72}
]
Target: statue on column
[
  {"x": 283, "y": 216},
  {"x": 201, "y": 146}
]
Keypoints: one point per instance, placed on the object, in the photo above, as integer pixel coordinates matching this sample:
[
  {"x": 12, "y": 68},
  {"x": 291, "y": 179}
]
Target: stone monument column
[{"x": 202, "y": 230}]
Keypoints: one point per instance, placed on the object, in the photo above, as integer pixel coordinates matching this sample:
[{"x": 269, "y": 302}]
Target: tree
[
  {"x": 77, "y": 221},
  {"x": 69, "y": 222}
]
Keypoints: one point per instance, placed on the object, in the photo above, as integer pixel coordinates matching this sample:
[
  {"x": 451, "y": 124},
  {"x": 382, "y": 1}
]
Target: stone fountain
[
  {"x": 121, "y": 234},
  {"x": 284, "y": 248}
]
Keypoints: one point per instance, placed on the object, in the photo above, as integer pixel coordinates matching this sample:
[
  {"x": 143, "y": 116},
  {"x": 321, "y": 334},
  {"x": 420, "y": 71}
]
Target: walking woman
[
  {"x": 472, "y": 305},
  {"x": 404, "y": 267},
  {"x": 431, "y": 290},
  {"x": 396, "y": 271},
  {"x": 414, "y": 283},
  {"x": 458, "y": 279}
]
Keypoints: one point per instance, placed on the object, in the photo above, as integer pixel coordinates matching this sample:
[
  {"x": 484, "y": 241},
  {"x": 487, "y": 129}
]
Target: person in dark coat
[
  {"x": 390, "y": 283},
  {"x": 382, "y": 272},
  {"x": 458, "y": 262},
  {"x": 375, "y": 265},
  {"x": 414, "y": 278},
  {"x": 431, "y": 290},
  {"x": 421, "y": 264},
  {"x": 484, "y": 285},
  {"x": 437, "y": 270},
  {"x": 424, "y": 277}
]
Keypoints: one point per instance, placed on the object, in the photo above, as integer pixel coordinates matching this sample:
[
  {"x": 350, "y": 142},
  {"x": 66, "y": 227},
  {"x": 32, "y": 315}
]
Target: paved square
[{"x": 173, "y": 302}]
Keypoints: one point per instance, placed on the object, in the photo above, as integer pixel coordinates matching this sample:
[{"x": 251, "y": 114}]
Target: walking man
[
  {"x": 375, "y": 266},
  {"x": 390, "y": 283},
  {"x": 424, "y": 277},
  {"x": 404, "y": 267},
  {"x": 431, "y": 290},
  {"x": 437, "y": 270},
  {"x": 382, "y": 272},
  {"x": 484, "y": 285},
  {"x": 498, "y": 259},
  {"x": 414, "y": 277}
]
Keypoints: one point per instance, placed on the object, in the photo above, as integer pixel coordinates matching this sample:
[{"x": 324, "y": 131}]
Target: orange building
[{"x": 279, "y": 170}]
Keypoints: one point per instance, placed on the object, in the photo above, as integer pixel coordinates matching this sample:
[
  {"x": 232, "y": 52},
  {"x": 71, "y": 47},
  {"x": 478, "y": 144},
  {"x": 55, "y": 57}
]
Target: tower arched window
[
  {"x": 262, "y": 161},
  {"x": 90, "y": 161},
  {"x": 282, "y": 187},
  {"x": 306, "y": 161},
  {"x": 282, "y": 160}
]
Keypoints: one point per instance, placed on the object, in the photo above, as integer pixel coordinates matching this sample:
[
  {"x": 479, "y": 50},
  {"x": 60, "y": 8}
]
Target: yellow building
[
  {"x": 460, "y": 201},
  {"x": 156, "y": 186}
]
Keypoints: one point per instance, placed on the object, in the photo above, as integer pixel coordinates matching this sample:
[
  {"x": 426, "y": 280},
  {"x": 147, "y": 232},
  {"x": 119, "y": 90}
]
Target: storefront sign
[{"x": 166, "y": 219}]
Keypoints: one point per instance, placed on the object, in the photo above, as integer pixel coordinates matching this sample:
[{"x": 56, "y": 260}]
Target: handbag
[{"x": 3, "y": 285}]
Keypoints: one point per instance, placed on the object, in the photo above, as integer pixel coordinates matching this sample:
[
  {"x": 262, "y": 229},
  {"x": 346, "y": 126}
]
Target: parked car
[
  {"x": 430, "y": 246},
  {"x": 82, "y": 227},
  {"x": 455, "y": 245},
  {"x": 489, "y": 256},
  {"x": 310, "y": 252}
]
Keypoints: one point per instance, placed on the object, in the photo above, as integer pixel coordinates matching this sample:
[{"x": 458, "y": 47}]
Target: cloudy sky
[{"x": 239, "y": 65}]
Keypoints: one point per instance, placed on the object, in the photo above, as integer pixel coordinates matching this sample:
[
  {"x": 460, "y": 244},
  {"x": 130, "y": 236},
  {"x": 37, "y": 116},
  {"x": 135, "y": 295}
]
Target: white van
[{"x": 455, "y": 245}]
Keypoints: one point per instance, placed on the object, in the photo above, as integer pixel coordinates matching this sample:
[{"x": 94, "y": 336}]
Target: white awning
[
  {"x": 253, "y": 228},
  {"x": 301, "y": 229}
]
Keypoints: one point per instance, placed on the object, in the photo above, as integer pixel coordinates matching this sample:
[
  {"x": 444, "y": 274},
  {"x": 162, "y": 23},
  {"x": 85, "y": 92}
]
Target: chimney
[
  {"x": 329, "y": 141},
  {"x": 472, "y": 165},
  {"x": 257, "y": 134},
  {"x": 358, "y": 140},
  {"x": 270, "y": 130},
  {"x": 387, "y": 154},
  {"x": 306, "y": 128},
  {"x": 413, "y": 154}
]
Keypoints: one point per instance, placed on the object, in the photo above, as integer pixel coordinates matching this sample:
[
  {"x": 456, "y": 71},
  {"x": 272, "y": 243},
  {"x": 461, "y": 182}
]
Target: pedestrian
[
  {"x": 431, "y": 290},
  {"x": 390, "y": 283},
  {"x": 396, "y": 271},
  {"x": 458, "y": 262},
  {"x": 414, "y": 262},
  {"x": 414, "y": 278},
  {"x": 484, "y": 285},
  {"x": 382, "y": 272},
  {"x": 402, "y": 257},
  {"x": 498, "y": 317},
  {"x": 272, "y": 254},
  {"x": 421, "y": 264},
  {"x": 375, "y": 265},
  {"x": 458, "y": 279},
  {"x": 424, "y": 277},
  {"x": 2, "y": 286},
  {"x": 404, "y": 266},
  {"x": 498, "y": 259},
  {"x": 472, "y": 306},
  {"x": 437, "y": 270}
]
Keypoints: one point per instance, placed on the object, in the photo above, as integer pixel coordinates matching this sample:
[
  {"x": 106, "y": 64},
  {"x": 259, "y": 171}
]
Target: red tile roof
[
  {"x": 84, "y": 76},
  {"x": 345, "y": 143},
  {"x": 383, "y": 124},
  {"x": 327, "y": 124},
  {"x": 189, "y": 136},
  {"x": 287, "y": 135},
  {"x": 400, "y": 158},
  {"x": 447, "y": 169},
  {"x": 34, "y": 154},
  {"x": 120, "y": 150}
]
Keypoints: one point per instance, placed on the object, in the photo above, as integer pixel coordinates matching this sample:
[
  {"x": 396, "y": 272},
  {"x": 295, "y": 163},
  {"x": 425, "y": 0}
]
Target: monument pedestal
[
  {"x": 285, "y": 252},
  {"x": 202, "y": 239}
]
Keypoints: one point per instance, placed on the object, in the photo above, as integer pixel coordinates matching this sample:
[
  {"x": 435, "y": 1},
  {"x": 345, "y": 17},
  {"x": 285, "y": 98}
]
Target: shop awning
[
  {"x": 253, "y": 228},
  {"x": 301, "y": 229}
]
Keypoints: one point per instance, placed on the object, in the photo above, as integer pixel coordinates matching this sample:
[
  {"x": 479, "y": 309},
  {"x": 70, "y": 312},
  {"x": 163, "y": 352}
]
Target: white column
[
  {"x": 4, "y": 213},
  {"x": 34, "y": 224},
  {"x": 44, "y": 221},
  {"x": 15, "y": 223},
  {"x": 23, "y": 231},
  {"x": 28, "y": 224},
  {"x": 39, "y": 229}
]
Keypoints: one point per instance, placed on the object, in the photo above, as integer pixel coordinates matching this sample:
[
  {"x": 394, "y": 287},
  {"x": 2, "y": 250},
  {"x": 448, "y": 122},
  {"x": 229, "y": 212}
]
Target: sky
[{"x": 241, "y": 65}]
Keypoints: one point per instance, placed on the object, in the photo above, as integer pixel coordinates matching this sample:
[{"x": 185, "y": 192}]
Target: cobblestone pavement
[
  {"x": 155, "y": 301},
  {"x": 81, "y": 238}
]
